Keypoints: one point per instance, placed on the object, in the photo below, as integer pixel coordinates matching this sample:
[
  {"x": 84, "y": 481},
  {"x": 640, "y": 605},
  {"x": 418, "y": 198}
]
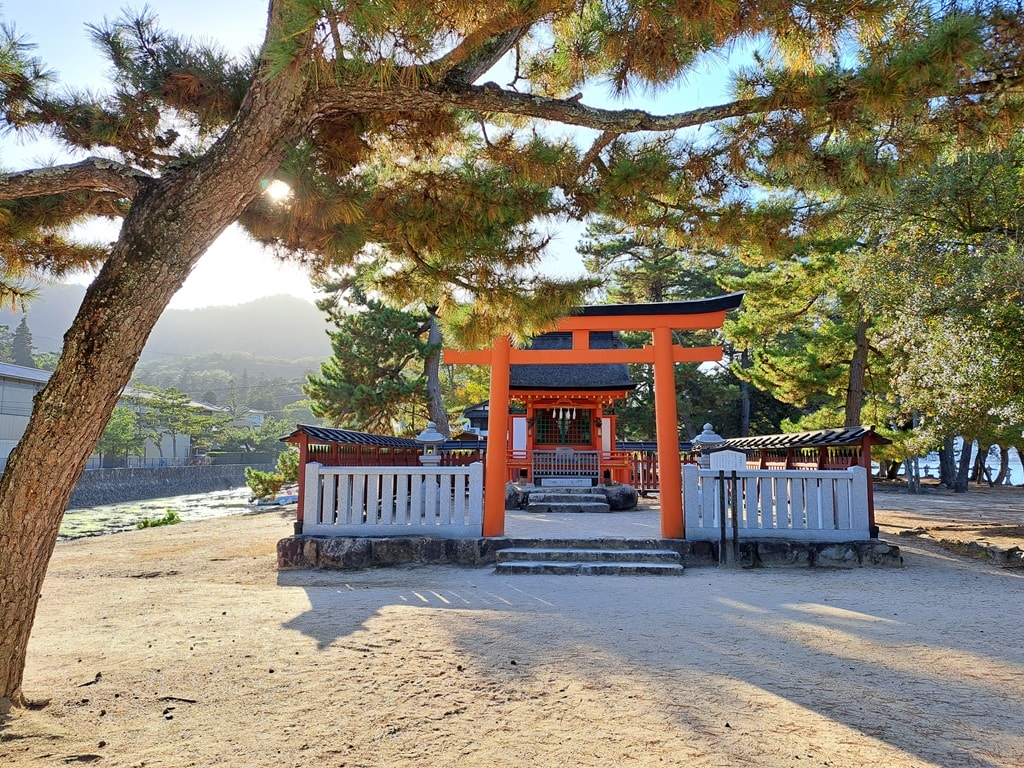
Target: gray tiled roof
[
  {"x": 572, "y": 376},
  {"x": 350, "y": 437},
  {"x": 819, "y": 438}
]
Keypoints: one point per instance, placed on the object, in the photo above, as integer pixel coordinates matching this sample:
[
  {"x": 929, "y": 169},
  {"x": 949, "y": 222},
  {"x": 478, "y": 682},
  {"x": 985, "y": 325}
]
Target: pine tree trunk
[
  {"x": 858, "y": 372},
  {"x": 170, "y": 224},
  {"x": 947, "y": 464},
  {"x": 745, "y": 397},
  {"x": 432, "y": 370},
  {"x": 1004, "y": 465},
  {"x": 963, "y": 471}
]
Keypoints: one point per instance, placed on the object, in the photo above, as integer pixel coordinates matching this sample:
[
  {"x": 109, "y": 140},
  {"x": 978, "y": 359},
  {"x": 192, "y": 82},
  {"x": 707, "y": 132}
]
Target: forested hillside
[
  {"x": 283, "y": 327},
  {"x": 250, "y": 356}
]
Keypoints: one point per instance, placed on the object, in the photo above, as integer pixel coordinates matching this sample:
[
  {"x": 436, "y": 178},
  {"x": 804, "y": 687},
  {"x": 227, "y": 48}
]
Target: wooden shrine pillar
[
  {"x": 666, "y": 417},
  {"x": 496, "y": 465}
]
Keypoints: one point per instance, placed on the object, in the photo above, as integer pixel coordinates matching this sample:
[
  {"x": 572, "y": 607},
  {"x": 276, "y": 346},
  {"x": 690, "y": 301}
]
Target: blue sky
[{"x": 234, "y": 270}]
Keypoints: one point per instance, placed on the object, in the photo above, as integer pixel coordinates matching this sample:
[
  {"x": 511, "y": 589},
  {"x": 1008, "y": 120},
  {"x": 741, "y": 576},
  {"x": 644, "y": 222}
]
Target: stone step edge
[
  {"x": 541, "y": 498},
  {"x": 568, "y": 507},
  {"x": 563, "y": 554},
  {"x": 557, "y": 568}
]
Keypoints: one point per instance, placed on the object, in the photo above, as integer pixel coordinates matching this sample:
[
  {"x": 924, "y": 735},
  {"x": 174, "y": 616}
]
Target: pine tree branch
[
  {"x": 491, "y": 98},
  {"x": 94, "y": 174},
  {"x": 484, "y": 46},
  {"x": 333, "y": 103}
]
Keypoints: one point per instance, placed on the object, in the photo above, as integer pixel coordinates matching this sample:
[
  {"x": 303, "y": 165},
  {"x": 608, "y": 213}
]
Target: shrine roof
[
  {"x": 819, "y": 438},
  {"x": 572, "y": 376},
  {"x": 725, "y": 302},
  {"x": 349, "y": 437}
]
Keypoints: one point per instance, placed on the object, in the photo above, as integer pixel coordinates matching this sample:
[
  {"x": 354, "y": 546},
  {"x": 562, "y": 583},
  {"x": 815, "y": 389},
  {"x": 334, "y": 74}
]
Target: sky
[{"x": 235, "y": 270}]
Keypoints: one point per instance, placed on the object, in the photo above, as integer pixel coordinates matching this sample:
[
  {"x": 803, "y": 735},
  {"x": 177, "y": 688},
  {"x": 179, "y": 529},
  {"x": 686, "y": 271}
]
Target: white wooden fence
[
  {"x": 822, "y": 505},
  {"x": 393, "y": 501}
]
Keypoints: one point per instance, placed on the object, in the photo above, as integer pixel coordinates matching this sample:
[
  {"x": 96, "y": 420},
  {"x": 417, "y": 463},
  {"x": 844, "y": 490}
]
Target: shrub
[{"x": 264, "y": 485}]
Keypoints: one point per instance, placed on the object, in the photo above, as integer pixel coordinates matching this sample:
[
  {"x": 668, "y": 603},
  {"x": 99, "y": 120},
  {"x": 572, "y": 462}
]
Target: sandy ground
[{"x": 183, "y": 646}]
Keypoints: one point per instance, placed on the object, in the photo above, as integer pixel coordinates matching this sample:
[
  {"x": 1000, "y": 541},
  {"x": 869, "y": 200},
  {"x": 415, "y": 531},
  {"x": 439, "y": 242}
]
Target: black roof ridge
[
  {"x": 815, "y": 438},
  {"x": 682, "y": 307}
]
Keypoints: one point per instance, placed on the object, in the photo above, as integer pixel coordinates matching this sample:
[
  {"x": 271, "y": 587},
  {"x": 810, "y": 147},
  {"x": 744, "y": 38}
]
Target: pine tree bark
[
  {"x": 947, "y": 464},
  {"x": 1004, "y": 465},
  {"x": 745, "y": 396},
  {"x": 170, "y": 224},
  {"x": 963, "y": 471},
  {"x": 432, "y": 371},
  {"x": 858, "y": 373}
]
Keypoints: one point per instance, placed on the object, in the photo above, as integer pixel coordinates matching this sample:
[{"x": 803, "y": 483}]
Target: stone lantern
[
  {"x": 705, "y": 442},
  {"x": 431, "y": 440}
]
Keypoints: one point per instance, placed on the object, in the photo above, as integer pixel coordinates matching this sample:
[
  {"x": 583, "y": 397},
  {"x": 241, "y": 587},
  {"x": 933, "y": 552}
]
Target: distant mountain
[{"x": 282, "y": 327}]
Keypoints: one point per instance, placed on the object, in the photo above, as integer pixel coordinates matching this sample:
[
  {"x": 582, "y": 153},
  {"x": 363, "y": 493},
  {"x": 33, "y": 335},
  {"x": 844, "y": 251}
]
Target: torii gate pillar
[
  {"x": 666, "y": 417},
  {"x": 496, "y": 466}
]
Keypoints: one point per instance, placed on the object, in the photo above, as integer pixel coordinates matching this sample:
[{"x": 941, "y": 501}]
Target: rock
[
  {"x": 516, "y": 497},
  {"x": 621, "y": 496}
]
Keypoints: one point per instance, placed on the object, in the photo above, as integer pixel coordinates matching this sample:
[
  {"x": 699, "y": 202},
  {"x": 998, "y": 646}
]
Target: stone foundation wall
[
  {"x": 114, "y": 486},
  {"x": 351, "y": 553}
]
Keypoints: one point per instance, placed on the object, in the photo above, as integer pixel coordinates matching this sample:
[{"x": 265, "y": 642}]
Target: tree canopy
[{"x": 423, "y": 136}]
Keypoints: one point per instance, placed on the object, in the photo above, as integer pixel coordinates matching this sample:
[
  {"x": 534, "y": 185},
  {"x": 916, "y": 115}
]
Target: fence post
[
  {"x": 734, "y": 509},
  {"x": 859, "y": 513},
  {"x": 476, "y": 494},
  {"x": 723, "y": 555},
  {"x": 691, "y": 497},
  {"x": 310, "y": 497}
]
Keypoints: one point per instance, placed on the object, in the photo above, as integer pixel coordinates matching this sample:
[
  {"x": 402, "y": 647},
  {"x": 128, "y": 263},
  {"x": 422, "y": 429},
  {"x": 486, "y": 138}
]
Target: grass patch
[{"x": 170, "y": 518}]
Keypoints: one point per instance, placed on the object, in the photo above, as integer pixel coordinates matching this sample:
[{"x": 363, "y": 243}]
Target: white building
[{"x": 18, "y": 385}]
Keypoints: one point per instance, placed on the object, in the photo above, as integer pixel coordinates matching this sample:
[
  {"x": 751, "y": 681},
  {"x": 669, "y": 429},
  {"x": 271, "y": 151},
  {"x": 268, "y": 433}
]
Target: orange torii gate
[{"x": 660, "y": 319}]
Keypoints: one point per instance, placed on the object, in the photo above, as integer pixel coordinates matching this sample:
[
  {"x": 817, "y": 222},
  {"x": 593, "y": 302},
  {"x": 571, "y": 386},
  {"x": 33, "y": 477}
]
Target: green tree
[
  {"x": 6, "y": 337},
  {"x": 376, "y": 116},
  {"x": 22, "y": 349},
  {"x": 121, "y": 437},
  {"x": 945, "y": 291},
  {"x": 641, "y": 267},
  {"x": 171, "y": 413},
  {"x": 265, "y": 438},
  {"x": 375, "y": 379}
]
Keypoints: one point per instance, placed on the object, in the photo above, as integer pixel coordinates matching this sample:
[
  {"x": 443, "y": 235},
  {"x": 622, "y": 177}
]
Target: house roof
[
  {"x": 820, "y": 438},
  {"x": 21, "y": 373},
  {"x": 349, "y": 437},
  {"x": 572, "y": 376}
]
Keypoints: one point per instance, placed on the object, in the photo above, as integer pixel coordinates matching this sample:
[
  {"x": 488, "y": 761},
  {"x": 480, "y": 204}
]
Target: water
[
  {"x": 930, "y": 465},
  {"x": 115, "y": 518}
]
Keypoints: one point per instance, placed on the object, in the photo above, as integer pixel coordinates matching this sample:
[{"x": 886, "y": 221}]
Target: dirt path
[{"x": 183, "y": 646}]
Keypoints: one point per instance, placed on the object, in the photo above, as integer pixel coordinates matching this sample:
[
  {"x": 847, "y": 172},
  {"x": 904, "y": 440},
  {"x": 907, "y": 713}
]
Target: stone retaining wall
[
  {"x": 349, "y": 553},
  {"x": 114, "y": 486}
]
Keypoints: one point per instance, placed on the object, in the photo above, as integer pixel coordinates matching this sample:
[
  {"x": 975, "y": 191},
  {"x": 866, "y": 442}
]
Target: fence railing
[
  {"x": 393, "y": 501},
  {"x": 566, "y": 463},
  {"x": 822, "y": 505}
]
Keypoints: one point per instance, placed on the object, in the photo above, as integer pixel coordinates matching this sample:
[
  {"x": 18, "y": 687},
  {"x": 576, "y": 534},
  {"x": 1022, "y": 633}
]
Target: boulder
[{"x": 621, "y": 496}]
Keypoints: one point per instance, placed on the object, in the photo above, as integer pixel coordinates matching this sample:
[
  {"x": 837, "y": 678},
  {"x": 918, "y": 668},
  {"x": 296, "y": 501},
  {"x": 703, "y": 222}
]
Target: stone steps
[
  {"x": 547, "y": 503},
  {"x": 582, "y": 561}
]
